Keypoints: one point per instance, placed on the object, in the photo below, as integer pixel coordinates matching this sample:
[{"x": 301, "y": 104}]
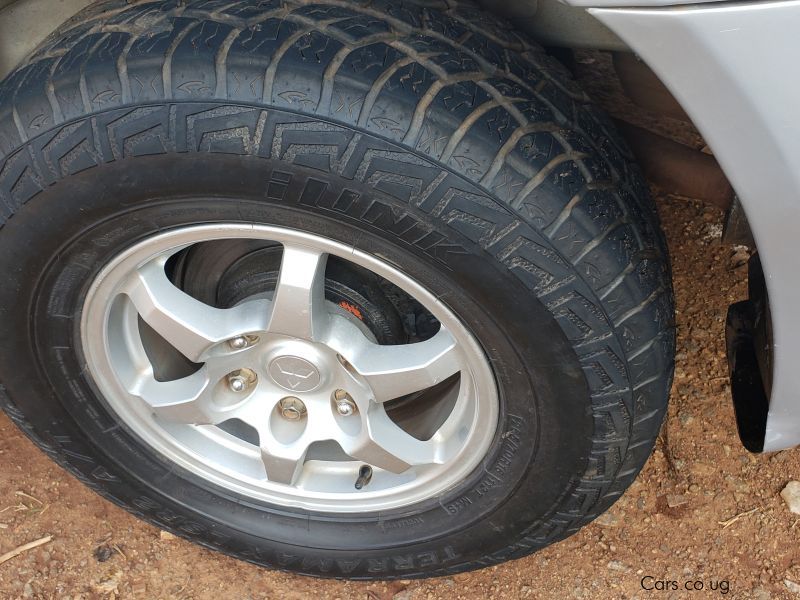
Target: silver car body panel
[
  {"x": 555, "y": 23},
  {"x": 632, "y": 3},
  {"x": 731, "y": 66}
]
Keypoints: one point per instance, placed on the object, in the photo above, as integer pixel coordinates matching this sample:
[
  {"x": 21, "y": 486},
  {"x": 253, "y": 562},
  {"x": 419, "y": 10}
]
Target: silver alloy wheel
[{"x": 308, "y": 380}]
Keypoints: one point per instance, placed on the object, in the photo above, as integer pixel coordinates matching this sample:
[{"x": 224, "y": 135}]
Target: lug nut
[
  {"x": 240, "y": 380},
  {"x": 237, "y": 384},
  {"x": 345, "y": 405},
  {"x": 345, "y": 408},
  {"x": 240, "y": 342},
  {"x": 292, "y": 408}
]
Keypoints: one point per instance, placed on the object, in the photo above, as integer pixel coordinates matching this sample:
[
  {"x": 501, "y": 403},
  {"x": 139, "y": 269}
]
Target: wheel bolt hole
[
  {"x": 291, "y": 408},
  {"x": 344, "y": 403},
  {"x": 288, "y": 419},
  {"x": 240, "y": 342}
]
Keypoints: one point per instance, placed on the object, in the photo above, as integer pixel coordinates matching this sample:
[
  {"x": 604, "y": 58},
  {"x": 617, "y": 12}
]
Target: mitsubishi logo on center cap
[{"x": 294, "y": 373}]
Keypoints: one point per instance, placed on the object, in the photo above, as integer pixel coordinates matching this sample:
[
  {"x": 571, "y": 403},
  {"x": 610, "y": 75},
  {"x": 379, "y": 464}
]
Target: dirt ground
[{"x": 703, "y": 513}]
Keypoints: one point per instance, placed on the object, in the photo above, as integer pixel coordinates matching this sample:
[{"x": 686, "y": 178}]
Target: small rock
[
  {"x": 675, "y": 500},
  {"x": 761, "y": 594},
  {"x": 780, "y": 457},
  {"x": 608, "y": 519},
  {"x": 139, "y": 588},
  {"x": 108, "y": 585},
  {"x": 615, "y": 565},
  {"x": 404, "y": 595},
  {"x": 27, "y": 590},
  {"x": 791, "y": 495},
  {"x": 739, "y": 256},
  {"x": 103, "y": 553},
  {"x": 792, "y": 586},
  {"x": 166, "y": 536}
]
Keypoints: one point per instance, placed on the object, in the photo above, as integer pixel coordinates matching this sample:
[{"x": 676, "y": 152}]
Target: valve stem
[{"x": 364, "y": 476}]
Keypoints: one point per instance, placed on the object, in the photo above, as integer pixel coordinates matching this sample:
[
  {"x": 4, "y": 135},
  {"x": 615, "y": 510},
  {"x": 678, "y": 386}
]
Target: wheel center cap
[{"x": 294, "y": 373}]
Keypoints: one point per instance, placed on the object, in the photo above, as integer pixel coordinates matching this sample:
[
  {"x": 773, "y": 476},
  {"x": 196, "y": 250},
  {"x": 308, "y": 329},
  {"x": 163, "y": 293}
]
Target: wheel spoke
[
  {"x": 283, "y": 463},
  {"x": 385, "y": 445},
  {"x": 394, "y": 371},
  {"x": 191, "y": 326},
  {"x": 187, "y": 400},
  {"x": 298, "y": 307}
]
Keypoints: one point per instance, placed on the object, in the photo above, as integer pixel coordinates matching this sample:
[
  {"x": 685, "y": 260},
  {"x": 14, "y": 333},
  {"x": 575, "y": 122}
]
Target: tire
[{"x": 463, "y": 156}]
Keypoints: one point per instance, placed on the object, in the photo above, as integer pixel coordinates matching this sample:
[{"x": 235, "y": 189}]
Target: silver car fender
[{"x": 732, "y": 67}]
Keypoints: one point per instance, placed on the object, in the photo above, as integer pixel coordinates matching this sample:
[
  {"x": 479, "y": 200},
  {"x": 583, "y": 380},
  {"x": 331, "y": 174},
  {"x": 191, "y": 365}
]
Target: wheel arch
[{"x": 712, "y": 58}]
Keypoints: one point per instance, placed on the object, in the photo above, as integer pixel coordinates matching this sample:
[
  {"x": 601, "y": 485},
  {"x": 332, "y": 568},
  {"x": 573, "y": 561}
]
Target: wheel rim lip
[{"x": 476, "y": 378}]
